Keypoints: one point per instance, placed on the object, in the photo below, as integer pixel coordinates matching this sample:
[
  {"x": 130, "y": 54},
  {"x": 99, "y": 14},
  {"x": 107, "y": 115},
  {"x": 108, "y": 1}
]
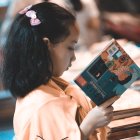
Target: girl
[{"x": 39, "y": 48}]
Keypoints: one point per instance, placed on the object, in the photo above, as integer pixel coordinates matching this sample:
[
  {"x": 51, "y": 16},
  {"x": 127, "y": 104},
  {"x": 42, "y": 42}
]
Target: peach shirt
[{"x": 50, "y": 113}]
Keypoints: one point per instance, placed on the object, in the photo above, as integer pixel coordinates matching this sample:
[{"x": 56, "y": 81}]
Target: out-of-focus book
[{"x": 109, "y": 74}]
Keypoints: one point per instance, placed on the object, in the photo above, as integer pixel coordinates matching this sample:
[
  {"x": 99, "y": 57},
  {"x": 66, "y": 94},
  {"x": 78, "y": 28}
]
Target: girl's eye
[{"x": 71, "y": 48}]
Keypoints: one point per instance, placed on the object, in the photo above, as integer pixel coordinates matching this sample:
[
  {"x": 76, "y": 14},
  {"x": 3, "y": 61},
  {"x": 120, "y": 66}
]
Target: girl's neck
[{"x": 60, "y": 82}]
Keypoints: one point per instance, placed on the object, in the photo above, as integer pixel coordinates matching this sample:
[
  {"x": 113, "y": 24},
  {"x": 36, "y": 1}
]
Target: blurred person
[{"x": 88, "y": 19}]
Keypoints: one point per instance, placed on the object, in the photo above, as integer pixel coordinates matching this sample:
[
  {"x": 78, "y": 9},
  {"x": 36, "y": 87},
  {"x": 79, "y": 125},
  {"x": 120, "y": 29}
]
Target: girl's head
[{"x": 40, "y": 45}]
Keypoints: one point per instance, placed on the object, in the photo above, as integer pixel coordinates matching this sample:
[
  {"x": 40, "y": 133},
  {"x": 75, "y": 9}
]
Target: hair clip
[
  {"x": 31, "y": 14},
  {"x": 34, "y": 20},
  {"x": 25, "y": 9}
]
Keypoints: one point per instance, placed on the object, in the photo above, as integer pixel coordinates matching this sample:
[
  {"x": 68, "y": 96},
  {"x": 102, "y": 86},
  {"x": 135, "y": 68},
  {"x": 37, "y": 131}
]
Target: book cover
[{"x": 109, "y": 74}]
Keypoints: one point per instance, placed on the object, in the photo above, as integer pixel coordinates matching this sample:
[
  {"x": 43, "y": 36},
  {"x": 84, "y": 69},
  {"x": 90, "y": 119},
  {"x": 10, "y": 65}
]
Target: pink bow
[
  {"x": 34, "y": 20},
  {"x": 31, "y": 14}
]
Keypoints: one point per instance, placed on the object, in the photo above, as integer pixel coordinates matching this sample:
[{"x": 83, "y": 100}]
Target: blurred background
[{"x": 99, "y": 21}]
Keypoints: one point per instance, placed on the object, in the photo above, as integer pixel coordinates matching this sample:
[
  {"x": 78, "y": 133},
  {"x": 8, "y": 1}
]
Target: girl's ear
[{"x": 47, "y": 42}]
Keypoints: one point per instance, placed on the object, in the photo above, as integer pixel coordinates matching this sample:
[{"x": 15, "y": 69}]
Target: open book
[{"x": 109, "y": 74}]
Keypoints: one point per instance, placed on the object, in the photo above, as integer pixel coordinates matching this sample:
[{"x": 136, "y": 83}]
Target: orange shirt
[{"x": 50, "y": 113}]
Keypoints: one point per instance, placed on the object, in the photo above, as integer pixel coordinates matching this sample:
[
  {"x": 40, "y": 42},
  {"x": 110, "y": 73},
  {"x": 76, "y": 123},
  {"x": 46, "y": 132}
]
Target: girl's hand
[{"x": 97, "y": 117}]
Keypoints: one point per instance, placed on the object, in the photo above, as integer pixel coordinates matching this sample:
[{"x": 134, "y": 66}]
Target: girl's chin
[{"x": 58, "y": 74}]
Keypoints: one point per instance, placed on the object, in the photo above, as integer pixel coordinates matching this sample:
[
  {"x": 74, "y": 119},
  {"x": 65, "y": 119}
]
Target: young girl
[{"x": 39, "y": 48}]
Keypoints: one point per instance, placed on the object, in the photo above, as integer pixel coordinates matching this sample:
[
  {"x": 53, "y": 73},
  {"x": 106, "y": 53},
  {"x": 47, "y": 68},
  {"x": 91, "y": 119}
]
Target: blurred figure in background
[
  {"x": 88, "y": 18},
  {"x": 121, "y": 19},
  {"x": 89, "y": 22}
]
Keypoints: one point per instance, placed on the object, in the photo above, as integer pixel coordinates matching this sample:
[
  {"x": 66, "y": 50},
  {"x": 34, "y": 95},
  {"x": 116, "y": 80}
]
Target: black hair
[
  {"x": 27, "y": 61},
  {"x": 77, "y": 5}
]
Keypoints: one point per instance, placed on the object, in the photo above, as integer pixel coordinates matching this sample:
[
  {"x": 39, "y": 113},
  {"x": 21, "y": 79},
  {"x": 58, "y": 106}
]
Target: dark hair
[
  {"x": 27, "y": 61},
  {"x": 77, "y": 5}
]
